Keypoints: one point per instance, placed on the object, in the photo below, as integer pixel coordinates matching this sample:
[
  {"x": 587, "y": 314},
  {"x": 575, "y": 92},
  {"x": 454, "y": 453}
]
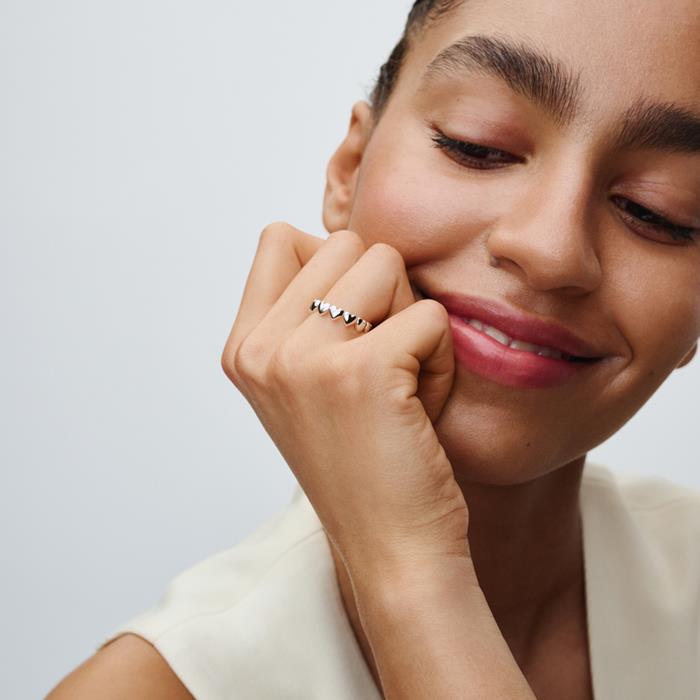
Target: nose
[{"x": 548, "y": 236}]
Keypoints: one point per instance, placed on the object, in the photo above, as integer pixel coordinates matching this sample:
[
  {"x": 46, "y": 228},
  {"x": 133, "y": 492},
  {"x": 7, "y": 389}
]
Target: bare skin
[
  {"x": 566, "y": 251},
  {"x": 556, "y": 664},
  {"x": 565, "y": 254},
  {"x": 128, "y": 667}
]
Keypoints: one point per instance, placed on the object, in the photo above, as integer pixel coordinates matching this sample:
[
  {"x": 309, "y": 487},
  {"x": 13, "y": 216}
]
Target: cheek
[
  {"x": 419, "y": 211},
  {"x": 413, "y": 201},
  {"x": 659, "y": 314}
]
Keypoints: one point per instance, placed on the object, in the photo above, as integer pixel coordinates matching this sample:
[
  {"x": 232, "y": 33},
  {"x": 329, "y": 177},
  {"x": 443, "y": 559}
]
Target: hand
[
  {"x": 353, "y": 417},
  {"x": 352, "y": 413}
]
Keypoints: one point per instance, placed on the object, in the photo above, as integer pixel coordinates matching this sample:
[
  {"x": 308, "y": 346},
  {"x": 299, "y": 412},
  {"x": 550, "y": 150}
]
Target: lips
[{"x": 518, "y": 324}]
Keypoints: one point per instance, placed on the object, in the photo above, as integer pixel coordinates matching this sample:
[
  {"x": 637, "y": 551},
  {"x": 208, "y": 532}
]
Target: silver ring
[{"x": 325, "y": 307}]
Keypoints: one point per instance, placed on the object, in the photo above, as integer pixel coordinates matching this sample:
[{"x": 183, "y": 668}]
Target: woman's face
[{"x": 559, "y": 207}]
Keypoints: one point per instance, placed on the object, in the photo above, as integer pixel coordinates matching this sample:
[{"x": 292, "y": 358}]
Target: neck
[{"x": 527, "y": 548}]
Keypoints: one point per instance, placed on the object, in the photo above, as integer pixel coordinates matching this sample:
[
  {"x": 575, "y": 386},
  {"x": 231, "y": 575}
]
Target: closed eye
[
  {"x": 473, "y": 155},
  {"x": 479, "y": 157}
]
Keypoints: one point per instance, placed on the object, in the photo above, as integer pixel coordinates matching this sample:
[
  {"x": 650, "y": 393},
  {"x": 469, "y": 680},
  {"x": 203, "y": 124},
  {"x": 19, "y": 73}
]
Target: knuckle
[
  {"x": 390, "y": 254},
  {"x": 247, "y": 362},
  {"x": 434, "y": 310},
  {"x": 275, "y": 231},
  {"x": 227, "y": 366},
  {"x": 288, "y": 364},
  {"x": 352, "y": 240}
]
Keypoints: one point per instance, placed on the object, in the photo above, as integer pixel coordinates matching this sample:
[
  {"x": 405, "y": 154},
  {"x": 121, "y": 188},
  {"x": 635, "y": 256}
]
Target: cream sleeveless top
[{"x": 265, "y": 619}]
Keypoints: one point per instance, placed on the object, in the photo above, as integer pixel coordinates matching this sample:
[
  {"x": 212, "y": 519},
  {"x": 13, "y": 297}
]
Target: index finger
[{"x": 282, "y": 251}]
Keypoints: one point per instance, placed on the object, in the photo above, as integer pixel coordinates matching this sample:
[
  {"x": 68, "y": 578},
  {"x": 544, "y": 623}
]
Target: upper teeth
[{"x": 501, "y": 337}]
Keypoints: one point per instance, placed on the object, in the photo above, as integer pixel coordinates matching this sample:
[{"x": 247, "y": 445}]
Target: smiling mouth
[
  {"x": 515, "y": 344},
  {"x": 499, "y": 336}
]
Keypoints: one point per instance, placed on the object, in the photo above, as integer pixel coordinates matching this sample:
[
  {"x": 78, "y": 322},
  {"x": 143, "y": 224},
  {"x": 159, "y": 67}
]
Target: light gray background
[{"x": 143, "y": 146}]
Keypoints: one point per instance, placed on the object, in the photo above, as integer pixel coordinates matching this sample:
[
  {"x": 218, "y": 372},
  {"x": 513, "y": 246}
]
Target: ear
[
  {"x": 688, "y": 356},
  {"x": 343, "y": 168}
]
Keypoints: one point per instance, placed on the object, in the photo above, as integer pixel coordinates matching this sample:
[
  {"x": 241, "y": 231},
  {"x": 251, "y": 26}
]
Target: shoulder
[
  {"x": 232, "y": 578},
  {"x": 231, "y": 624},
  {"x": 196, "y": 639},
  {"x": 128, "y": 667},
  {"x": 186, "y": 644},
  {"x": 653, "y": 519},
  {"x": 642, "y": 566},
  {"x": 652, "y": 499}
]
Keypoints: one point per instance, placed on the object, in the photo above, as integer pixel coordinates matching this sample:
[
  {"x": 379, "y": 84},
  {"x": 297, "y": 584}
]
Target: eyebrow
[{"x": 556, "y": 88}]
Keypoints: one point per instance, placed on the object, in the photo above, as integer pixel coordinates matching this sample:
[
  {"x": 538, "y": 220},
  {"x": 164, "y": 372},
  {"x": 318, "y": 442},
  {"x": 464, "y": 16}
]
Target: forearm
[{"x": 437, "y": 638}]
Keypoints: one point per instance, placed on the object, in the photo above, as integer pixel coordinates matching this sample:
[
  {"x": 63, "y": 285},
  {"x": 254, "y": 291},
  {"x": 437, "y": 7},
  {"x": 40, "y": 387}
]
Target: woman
[{"x": 513, "y": 271}]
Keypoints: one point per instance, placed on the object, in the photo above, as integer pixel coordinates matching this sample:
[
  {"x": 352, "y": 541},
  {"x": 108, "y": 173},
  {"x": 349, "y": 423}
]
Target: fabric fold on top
[{"x": 265, "y": 618}]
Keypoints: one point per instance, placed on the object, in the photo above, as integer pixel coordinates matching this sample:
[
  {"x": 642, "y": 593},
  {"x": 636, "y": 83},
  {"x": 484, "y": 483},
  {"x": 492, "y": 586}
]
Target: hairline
[{"x": 422, "y": 17}]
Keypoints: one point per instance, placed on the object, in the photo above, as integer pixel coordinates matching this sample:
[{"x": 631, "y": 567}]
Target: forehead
[{"x": 615, "y": 52}]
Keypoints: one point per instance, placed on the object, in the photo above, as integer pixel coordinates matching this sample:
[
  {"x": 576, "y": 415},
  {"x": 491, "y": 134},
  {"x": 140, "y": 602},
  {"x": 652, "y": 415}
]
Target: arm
[
  {"x": 435, "y": 636},
  {"x": 353, "y": 416},
  {"x": 128, "y": 667}
]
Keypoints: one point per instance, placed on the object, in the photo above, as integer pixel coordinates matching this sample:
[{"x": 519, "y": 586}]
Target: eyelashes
[
  {"x": 655, "y": 221},
  {"x": 472, "y": 154},
  {"x": 478, "y": 157}
]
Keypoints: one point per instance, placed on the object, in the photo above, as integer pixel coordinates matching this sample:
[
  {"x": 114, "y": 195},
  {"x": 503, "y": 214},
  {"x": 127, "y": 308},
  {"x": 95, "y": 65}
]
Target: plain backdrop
[{"x": 143, "y": 146}]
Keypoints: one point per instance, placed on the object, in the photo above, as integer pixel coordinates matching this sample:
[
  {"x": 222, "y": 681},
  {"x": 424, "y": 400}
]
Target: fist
[{"x": 352, "y": 413}]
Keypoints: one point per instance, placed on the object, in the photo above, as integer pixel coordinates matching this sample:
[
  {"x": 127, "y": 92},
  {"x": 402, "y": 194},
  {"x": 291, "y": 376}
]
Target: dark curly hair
[{"x": 422, "y": 14}]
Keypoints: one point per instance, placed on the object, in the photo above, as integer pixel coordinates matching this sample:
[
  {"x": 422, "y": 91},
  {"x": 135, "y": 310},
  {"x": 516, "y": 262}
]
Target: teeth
[
  {"x": 522, "y": 345},
  {"x": 502, "y": 338},
  {"x": 537, "y": 349}
]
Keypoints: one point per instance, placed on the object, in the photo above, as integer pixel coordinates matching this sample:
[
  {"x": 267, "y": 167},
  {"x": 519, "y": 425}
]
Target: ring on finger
[{"x": 334, "y": 312}]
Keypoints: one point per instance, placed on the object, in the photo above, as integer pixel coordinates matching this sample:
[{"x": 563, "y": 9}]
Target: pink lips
[
  {"x": 518, "y": 324},
  {"x": 485, "y": 356},
  {"x": 488, "y": 358}
]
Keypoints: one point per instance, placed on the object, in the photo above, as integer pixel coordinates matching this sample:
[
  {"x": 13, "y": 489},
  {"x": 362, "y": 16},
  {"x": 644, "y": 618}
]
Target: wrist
[
  {"x": 437, "y": 618},
  {"x": 397, "y": 589}
]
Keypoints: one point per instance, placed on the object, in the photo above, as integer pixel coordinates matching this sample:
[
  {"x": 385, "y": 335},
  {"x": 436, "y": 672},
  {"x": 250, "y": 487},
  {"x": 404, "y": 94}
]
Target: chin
[
  {"x": 489, "y": 469},
  {"x": 487, "y": 450}
]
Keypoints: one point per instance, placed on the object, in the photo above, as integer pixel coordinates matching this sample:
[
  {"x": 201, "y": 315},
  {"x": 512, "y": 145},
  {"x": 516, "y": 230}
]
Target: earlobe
[
  {"x": 688, "y": 357},
  {"x": 343, "y": 169}
]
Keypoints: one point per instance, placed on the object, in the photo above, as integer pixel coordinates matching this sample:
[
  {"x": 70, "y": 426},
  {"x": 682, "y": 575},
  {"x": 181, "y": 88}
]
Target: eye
[
  {"x": 473, "y": 155},
  {"x": 643, "y": 218},
  {"x": 479, "y": 157}
]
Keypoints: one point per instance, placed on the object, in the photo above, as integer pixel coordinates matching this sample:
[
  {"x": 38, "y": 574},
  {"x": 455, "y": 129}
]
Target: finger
[
  {"x": 282, "y": 251},
  {"x": 419, "y": 341},
  {"x": 375, "y": 287},
  {"x": 332, "y": 260}
]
